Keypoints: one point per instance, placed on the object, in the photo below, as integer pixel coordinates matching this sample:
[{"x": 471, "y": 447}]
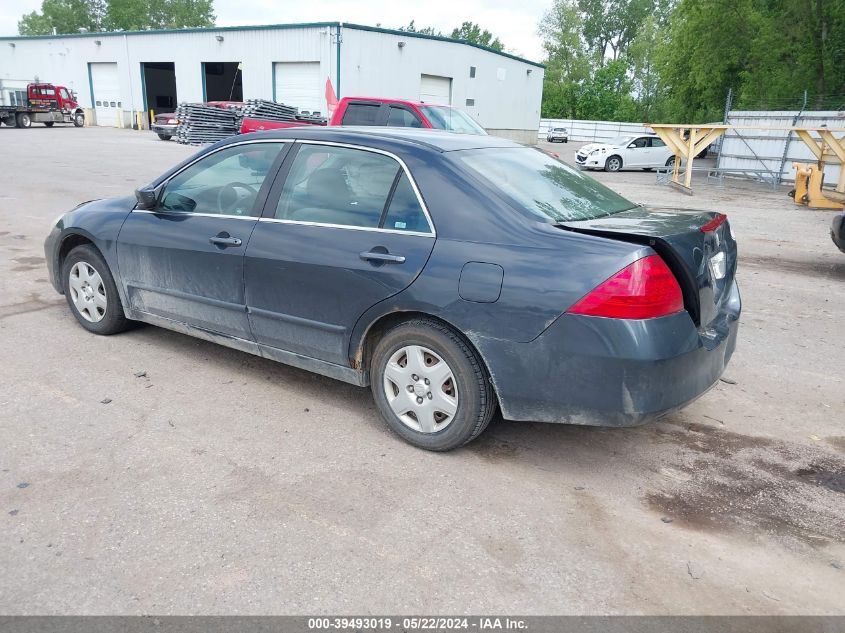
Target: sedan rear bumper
[{"x": 611, "y": 372}]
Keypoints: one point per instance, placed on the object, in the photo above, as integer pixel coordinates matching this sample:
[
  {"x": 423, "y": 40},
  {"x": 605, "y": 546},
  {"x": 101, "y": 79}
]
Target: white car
[
  {"x": 557, "y": 134},
  {"x": 626, "y": 152}
]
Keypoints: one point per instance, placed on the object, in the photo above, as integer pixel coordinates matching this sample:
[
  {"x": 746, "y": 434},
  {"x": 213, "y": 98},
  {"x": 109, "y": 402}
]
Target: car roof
[{"x": 437, "y": 140}]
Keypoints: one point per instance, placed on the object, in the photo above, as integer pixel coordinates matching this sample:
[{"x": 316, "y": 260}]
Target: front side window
[
  {"x": 64, "y": 94},
  {"x": 452, "y": 119},
  {"x": 225, "y": 182},
  {"x": 640, "y": 143},
  {"x": 400, "y": 117},
  {"x": 546, "y": 188},
  {"x": 361, "y": 114},
  {"x": 344, "y": 186}
]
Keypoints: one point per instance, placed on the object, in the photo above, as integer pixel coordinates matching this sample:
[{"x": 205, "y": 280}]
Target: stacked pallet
[
  {"x": 200, "y": 124},
  {"x": 268, "y": 110}
]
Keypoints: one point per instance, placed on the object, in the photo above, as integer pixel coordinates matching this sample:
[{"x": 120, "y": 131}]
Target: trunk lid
[{"x": 703, "y": 261}]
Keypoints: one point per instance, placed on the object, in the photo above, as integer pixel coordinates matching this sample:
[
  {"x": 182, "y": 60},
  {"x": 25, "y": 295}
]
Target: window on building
[
  {"x": 470, "y": 102},
  {"x": 472, "y": 72},
  {"x": 17, "y": 97}
]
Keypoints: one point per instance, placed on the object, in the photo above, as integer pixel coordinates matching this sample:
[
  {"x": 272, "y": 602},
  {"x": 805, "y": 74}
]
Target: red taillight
[
  {"x": 713, "y": 224},
  {"x": 642, "y": 290}
]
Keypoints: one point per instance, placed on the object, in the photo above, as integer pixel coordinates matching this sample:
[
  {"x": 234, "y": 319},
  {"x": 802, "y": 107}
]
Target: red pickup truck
[
  {"x": 45, "y": 103},
  {"x": 386, "y": 112}
]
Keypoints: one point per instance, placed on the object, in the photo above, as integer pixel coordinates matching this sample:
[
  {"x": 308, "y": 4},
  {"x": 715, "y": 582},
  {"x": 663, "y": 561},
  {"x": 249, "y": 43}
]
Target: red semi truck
[{"x": 45, "y": 103}]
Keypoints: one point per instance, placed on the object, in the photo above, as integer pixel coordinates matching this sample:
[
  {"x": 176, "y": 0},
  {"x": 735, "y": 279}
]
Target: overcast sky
[{"x": 515, "y": 23}]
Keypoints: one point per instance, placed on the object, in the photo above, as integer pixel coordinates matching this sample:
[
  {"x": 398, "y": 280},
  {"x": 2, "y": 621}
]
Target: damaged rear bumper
[{"x": 611, "y": 372}]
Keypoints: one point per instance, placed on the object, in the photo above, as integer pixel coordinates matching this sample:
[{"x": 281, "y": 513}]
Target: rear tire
[
  {"x": 164, "y": 137},
  {"x": 613, "y": 163},
  {"x": 48, "y": 123},
  {"x": 86, "y": 274},
  {"x": 670, "y": 162},
  {"x": 431, "y": 420}
]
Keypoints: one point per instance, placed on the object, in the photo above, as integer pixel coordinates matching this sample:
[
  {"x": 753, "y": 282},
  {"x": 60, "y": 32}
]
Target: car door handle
[
  {"x": 220, "y": 240},
  {"x": 375, "y": 256}
]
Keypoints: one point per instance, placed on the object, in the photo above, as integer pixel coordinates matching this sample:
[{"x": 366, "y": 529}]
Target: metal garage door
[
  {"x": 298, "y": 84},
  {"x": 105, "y": 84},
  {"x": 434, "y": 89}
]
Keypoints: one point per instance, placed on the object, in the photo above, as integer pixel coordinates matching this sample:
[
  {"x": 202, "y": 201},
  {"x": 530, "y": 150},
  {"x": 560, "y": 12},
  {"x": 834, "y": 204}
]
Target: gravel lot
[{"x": 217, "y": 482}]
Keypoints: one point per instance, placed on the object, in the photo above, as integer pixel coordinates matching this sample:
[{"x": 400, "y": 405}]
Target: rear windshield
[
  {"x": 549, "y": 189},
  {"x": 451, "y": 119}
]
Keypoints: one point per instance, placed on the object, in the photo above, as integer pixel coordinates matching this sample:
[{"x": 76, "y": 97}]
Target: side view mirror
[{"x": 147, "y": 197}]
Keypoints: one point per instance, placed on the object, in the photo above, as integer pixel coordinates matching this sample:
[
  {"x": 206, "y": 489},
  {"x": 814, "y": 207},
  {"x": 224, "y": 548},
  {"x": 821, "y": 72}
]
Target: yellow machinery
[{"x": 809, "y": 179}]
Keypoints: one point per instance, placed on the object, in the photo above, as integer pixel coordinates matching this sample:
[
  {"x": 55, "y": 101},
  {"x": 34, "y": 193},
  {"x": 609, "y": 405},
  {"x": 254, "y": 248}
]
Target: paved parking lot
[{"x": 218, "y": 482}]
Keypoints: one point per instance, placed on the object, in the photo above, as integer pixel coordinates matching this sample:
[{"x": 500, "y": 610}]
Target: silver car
[{"x": 557, "y": 134}]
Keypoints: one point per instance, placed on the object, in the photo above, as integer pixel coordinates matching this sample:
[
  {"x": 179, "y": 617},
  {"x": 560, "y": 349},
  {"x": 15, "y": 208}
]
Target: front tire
[
  {"x": 24, "y": 120},
  {"x": 164, "y": 137},
  {"x": 430, "y": 387},
  {"x": 613, "y": 163},
  {"x": 78, "y": 119},
  {"x": 91, "y": 292}
]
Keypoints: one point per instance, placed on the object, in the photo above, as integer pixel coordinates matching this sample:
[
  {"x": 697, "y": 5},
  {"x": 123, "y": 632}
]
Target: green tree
[
  {"x": 609, "y": 26},
  {"x": 71, "y": 16},
  {"x": 471, "y": 32},
  {"x": 645, "y": 79},
  {"x": 567, "y": 64},
  {"x": 606, "y": 96},
  {"x": 62, "y": 16},
  {"x": 429, "y": 30}
]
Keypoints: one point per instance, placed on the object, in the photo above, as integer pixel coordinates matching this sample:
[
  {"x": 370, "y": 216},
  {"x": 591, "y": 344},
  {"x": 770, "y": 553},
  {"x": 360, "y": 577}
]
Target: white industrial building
[{"x": 121, "y": 74}]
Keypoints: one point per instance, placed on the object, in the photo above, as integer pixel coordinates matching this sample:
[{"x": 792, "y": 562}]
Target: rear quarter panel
[{"x": 545, "y": 269}]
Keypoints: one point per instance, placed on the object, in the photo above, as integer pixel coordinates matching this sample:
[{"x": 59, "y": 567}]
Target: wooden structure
[{"x": 688, "y": 140}]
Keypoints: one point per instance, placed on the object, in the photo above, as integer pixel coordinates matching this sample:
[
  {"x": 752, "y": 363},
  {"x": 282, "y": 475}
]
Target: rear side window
[
  {"x": 400, "y": 117},
  {"x": 405, "y": 212},
  {"x": 344, "y": 186},
  {"x": 656, "y": 142},
  {"x": 540, "y": 185},
  {"x": 361, "y": 114}
]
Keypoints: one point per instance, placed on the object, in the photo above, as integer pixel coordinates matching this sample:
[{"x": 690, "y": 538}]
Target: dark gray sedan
[{"x": 453, "y": 274}]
